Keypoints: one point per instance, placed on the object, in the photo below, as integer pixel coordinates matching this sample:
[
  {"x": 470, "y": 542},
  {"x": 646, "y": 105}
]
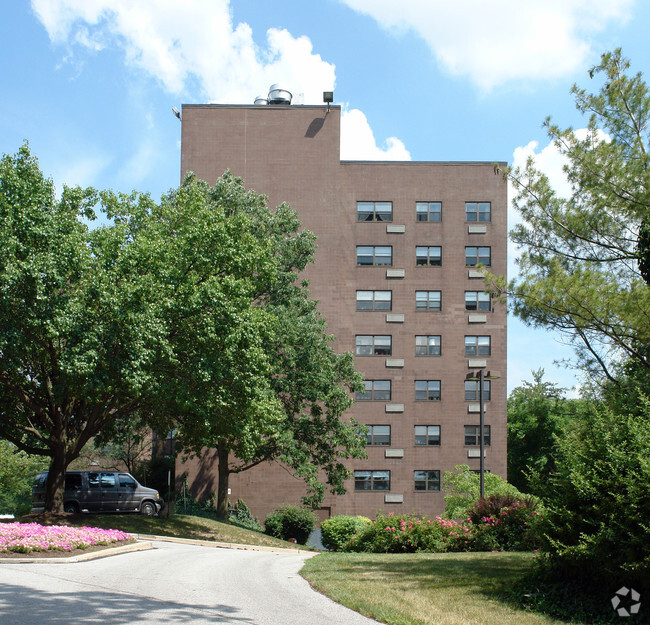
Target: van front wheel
[
  {"x": 148, "y": 508},
  {"x": 70, "y": 507}
]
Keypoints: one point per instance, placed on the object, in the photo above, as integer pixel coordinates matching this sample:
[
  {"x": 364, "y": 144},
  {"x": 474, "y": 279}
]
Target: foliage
[
  {"x": 338, "y": 530},
  {"x": 499, "y": 523},
  {"x": 254, "y": 374},
  {"x": 17, "y": 471},
  {"x": 78, "y": 325},
  {"x": 240, "y": 514},
  {"x": 128, "y": 441},
  {"x": 536, "y": 411},
  {"x": 463, "y": 490},
  {"x": 404, "y": 533},
  {"x": 584, "y": 269},
  {"x": 185, "y": 314},
  {"x": 597, "y": 505},
  {"x": 291, "y": 522},
  {"x": 504, "y": 523},
  {"x": 188, "y": 505}
]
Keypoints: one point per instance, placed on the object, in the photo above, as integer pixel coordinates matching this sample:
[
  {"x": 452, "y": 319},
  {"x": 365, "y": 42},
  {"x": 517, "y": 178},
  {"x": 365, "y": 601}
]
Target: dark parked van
[{"x": 100, "y": 491}]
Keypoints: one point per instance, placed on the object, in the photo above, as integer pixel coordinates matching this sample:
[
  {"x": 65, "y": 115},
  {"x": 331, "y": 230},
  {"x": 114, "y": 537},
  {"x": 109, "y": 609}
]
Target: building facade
[{"x": 395, "y": 276}]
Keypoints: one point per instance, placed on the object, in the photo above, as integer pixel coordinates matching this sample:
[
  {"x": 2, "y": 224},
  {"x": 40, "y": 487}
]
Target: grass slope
[
  {"x": 177, "y": 525},
  {"x": 423, "y": 588}
]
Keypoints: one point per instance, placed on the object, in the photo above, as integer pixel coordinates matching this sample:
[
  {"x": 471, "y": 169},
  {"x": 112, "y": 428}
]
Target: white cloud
[
  {"x": 501, "y": 40},
  {"x": 196, "y": 44},
  {"x": 358, "y": 141},
  {"x": 190, "y": 43}
]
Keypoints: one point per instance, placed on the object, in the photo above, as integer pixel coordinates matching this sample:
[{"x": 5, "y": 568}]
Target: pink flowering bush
[
  {"x": 30, "y": 537},
  {"x": 404, "y": 533},
  {"x": 508, "y": 528},
  {"x": 504, "y": 523}
]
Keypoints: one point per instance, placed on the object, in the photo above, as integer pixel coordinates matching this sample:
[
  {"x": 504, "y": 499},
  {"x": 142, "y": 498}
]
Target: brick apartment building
[{"x": 395, "y": 278}]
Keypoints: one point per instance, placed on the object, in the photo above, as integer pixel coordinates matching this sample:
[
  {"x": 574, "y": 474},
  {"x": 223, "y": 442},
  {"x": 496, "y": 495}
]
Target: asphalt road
[{"x": 173, "y": 583}]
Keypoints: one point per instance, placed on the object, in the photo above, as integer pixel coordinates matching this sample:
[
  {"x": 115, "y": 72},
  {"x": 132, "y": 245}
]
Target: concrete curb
[
  {"x": 144, "y": 546},
  {"x": 215, "y": 544},
  {"x": 82, "y": 557}
]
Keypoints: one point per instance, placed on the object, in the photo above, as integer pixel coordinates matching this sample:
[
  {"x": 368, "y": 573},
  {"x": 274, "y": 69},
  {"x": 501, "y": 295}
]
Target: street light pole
[{"x": 481, "y": 433}]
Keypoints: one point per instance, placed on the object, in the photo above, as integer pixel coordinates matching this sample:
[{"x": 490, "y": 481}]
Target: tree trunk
[
  {"x": 56, "y": 480},
  {"x": 222, "y": 487}
]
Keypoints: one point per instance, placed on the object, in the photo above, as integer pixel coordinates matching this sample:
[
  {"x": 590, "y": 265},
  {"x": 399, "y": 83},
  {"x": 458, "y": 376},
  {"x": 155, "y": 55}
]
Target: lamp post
[{"x": 481, "y": 377}]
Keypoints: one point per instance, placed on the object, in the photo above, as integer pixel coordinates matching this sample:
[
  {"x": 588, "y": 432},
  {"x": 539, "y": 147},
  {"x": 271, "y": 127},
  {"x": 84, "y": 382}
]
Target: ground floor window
[{"x": 426, "y": 480}]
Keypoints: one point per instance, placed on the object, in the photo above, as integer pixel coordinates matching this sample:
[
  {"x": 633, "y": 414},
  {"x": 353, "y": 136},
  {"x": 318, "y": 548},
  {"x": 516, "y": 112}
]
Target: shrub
[
  {"x": 596, "y": 526},
  {"x": 240, "y": 514},
  {"x": 404, "y": 533},
  {"x": 338, "y": 530},
  {"x": 463, "y": 490},
  {"x": 186, "y": 504},
  {"x": 290, "y": 522},
  {"x": 504, "y": 523}
]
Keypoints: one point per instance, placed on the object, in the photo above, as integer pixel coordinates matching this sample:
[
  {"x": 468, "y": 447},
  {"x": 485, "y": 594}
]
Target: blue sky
[{"x": 90, "y": 84}]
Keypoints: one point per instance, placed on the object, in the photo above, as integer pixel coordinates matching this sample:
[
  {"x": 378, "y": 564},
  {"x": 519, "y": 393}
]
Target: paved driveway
[{"x": 174, "y": 583}]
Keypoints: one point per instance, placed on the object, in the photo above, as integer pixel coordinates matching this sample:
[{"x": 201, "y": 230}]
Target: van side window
[
  {"x": 39, "y": 480},
  {"x": 93, "y": 480},
  {"x": 126, "y": 480},
  {"x": 73, "y": 481},
  {"x": 108, "y": 480}
]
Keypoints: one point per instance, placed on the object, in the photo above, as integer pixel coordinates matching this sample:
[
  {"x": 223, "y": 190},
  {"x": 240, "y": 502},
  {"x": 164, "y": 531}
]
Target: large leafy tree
[
  {"x": 585, "y": 266},
  {"x": 275, "y": 389},
  {"x": 77, "y": 333},
  {"x": 183, "y": 313}
]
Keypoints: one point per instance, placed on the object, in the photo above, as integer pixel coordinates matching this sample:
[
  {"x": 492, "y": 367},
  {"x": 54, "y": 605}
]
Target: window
[
  {"x": 426, "y": 480},
  {"x": 126, "y": 481},
  {"x": 477, "y": 346},
  {"x": 428, "y": 255},
  {"x": 108, "y": 480},
  {"x": 374, "y": 211},
  {"x": 72, "y": 481},
  {"x": 427, "y": 435},
  {"x": 478, "y": 300},
  {"x": 93, "y": 479},
  {"x": 372, "y": 480},
  {"x": 476, "y": 255},
  {"x": 477, "y": 211},
  {"x": 427, "y": 390},
  {"x": 374, "y": 255},
  {"x": 374, "y": 300},
  {"x": 428, "y": 345},
  {"x": 473, "y": 435},
  {"x": 375, "y": 390},
  {"x": 374, "y": 345},
  {"x": 471, "y": 390},
  {"x": 378, "y": 435},
  {"x": 428, "y": 300},
  {"x": 428, "y": 211}
]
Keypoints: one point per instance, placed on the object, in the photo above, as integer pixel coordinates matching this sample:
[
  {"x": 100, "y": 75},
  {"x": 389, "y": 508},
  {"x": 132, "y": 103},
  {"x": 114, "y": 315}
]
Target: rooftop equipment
[{"x": 278, "y": 95}]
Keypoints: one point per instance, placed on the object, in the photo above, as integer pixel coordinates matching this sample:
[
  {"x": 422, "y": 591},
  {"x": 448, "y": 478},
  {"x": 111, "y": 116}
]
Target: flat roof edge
[
  {"x": 262, "y": 106},
  {"x": 490, "y": 163}
]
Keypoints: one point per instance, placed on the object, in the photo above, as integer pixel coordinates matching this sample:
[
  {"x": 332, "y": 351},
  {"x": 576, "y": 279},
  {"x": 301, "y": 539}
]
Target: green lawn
[
  {"x": 177, "y": 525},
  {"x": 423, "y": 588}
]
